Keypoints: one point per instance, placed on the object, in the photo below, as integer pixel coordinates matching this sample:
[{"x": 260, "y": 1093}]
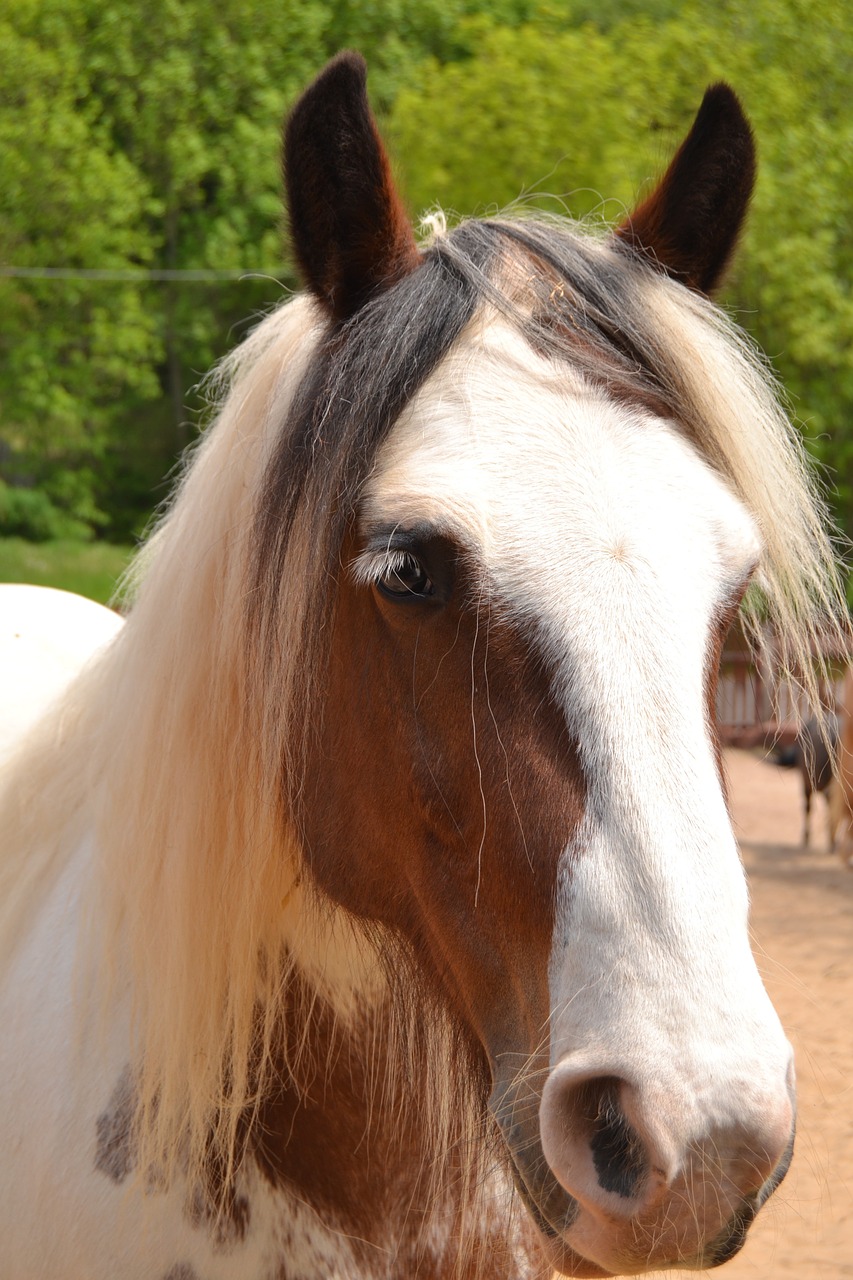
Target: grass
[{"x": 88, "y": 568}]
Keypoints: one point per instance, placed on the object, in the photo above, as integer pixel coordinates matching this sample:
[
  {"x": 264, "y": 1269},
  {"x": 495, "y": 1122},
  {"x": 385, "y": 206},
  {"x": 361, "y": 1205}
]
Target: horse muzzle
[{"x": 616, "y": 1190}]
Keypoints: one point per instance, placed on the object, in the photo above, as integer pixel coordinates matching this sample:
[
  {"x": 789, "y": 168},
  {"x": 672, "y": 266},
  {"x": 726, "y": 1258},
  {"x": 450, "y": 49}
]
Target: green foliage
[
  {"x": 29, "y": 513},
  {"x": 68, "y": 356},
  {"x": 138, "y": 137}
]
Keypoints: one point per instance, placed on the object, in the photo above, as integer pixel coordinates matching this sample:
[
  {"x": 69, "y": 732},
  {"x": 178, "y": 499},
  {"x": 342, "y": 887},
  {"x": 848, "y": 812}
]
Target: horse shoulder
[{"x": 72, "y": 1203}]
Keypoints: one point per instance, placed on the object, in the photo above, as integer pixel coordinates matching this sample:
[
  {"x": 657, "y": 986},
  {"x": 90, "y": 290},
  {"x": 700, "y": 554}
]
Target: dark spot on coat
[
  {"x": 181, "y": 1271},
  {"x": 114, "y": 1154},
  {"x": 220, "y": 1209}
]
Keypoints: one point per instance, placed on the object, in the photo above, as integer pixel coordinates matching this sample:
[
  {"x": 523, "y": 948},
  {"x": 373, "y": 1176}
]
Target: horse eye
[{"x": 405, "y": 580}]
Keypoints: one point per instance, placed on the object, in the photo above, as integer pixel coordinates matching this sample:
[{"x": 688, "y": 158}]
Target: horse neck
[{"x": 375, "y": 1125}]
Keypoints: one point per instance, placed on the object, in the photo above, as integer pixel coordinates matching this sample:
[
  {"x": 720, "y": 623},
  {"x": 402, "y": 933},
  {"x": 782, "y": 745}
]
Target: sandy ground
[{"x": 802, "y": 923}]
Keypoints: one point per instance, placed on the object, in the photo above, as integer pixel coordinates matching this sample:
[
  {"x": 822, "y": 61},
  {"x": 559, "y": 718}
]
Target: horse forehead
[{"x": 533, "y": 467}]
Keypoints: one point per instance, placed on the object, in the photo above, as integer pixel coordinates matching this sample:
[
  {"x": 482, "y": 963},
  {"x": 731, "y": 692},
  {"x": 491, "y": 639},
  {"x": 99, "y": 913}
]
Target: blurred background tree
[{"x": 143, "y": 142}]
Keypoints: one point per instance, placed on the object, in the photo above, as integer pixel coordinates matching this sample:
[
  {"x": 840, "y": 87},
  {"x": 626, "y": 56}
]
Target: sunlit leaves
[{"x": 147, "y": 136}]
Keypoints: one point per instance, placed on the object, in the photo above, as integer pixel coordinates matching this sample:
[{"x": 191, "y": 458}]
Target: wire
[{"x": 136, "y": 276}]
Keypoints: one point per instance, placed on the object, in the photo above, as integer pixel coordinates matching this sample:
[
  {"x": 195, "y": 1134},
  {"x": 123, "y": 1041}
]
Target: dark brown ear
[
  {"x": 690, "y": 224},
  {"x": 349, "y": 230}
]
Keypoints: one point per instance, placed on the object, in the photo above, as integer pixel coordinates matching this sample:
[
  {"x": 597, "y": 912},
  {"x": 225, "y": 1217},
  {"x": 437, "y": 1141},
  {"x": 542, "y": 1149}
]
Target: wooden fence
[{"x": 757, "y": 708}]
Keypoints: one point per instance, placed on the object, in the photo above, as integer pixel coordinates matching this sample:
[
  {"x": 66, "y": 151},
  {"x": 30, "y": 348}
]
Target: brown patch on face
[
  {"x": 444, "y": 791},
  {"x": 440, "y": 795}
]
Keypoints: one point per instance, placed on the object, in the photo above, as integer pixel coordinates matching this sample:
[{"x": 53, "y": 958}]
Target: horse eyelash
[{"x": 370, "y": 567}]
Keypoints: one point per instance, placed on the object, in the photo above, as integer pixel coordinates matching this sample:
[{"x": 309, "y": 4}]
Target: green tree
[
  {"x": 155, "y": 129},
  {"x": 69, "y": 355},
  {"x": 148, "y": 137}
]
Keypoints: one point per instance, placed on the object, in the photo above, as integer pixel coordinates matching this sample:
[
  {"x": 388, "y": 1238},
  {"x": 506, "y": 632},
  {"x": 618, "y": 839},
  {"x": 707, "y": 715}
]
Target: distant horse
[
  {"x": 369, "y": 907},
  {"x": 812, "y": 756},
  {"x": 840, "y": 794}
]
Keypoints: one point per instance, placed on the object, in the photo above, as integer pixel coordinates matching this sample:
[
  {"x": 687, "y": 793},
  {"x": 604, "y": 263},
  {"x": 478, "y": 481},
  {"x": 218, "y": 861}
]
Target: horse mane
[{"x": 187, "y": 737}]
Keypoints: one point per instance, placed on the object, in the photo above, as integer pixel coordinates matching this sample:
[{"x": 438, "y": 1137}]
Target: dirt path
[{"x": 802, "y": 920}]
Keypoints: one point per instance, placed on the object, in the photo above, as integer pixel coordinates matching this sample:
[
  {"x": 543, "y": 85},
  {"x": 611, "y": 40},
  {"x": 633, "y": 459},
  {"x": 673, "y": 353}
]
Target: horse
[
  {"x": 369, "y": 904},
  {"x": 840, "y": 790},
  {"x": 812, "y": 756}
]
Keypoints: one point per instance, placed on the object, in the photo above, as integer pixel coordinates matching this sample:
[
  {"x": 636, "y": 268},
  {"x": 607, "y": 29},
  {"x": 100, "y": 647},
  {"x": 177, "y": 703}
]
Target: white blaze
[{"x": 602, "y": 529}]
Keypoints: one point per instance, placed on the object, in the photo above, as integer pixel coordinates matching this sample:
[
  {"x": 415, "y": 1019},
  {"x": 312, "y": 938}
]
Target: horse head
[{"x": 511, "y": 776}]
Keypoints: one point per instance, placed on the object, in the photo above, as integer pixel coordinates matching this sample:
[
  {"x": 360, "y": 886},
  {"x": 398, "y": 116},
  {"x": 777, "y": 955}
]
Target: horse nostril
[
  {"x": 591, "y": 1144},
  {"x": 618, "y": 1155}
]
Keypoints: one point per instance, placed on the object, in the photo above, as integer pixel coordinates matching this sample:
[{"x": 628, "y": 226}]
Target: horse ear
[
  {"x": 690, "y": 224},
  {"x": 349, "y": 230}
]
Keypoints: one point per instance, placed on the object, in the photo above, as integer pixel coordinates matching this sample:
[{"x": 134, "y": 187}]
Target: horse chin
[
  {"x": 557, "y": 1215},
  {"x": 564, "y": 1259}
]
